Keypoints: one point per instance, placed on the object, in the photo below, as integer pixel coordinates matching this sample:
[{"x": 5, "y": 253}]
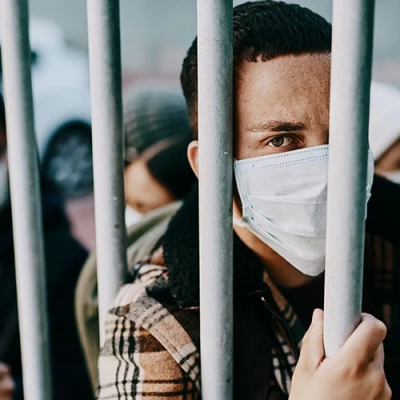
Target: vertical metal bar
[
  {"x": 215, "y": 55},
  {"x": 348, "y": 155},
  {"x": 106, "y": 99},
  {"x": 25, "y": 196}
]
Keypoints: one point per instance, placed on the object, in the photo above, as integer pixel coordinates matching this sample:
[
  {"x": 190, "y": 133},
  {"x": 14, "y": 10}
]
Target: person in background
[
  {"x": 64, "y": 258},
  {"x": 384, "y": 130},
  {"x": 157, "y": 177},
  {"x": 157, "y": 133}
]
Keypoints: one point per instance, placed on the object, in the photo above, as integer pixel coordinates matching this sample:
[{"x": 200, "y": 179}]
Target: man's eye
[{"x": 280, "y": 141}]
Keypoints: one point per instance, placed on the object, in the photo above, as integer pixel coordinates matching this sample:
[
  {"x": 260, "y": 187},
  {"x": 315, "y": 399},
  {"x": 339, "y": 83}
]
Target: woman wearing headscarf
[{"x": 157, "y": 134}]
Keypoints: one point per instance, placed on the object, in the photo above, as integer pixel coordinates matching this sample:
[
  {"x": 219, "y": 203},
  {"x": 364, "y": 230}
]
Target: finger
[
  {"x": 386, "y": 393},
  {"x": 363, "y": 344},
  {"x": 378, "y": 360},
  {"x": 379, "y": 357},
  {"x": 312, "y": 347}
]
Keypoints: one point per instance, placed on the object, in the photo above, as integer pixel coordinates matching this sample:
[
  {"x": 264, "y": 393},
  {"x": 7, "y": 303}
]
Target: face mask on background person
[
  {"x": 132, "y": 216},
  {"x": 284, "y": 203}
]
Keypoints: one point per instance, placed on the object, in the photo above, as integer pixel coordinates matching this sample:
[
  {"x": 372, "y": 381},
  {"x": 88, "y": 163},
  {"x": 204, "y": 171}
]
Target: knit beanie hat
[
  {"x": 153, "y": 112},
  {"x": 384, "y": 119}
]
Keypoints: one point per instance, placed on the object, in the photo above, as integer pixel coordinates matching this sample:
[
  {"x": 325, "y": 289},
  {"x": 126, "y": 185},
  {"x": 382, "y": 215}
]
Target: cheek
[
  {"x": 129, "y": 181},
  {"x": 161, "y": 196},
  {"x": 155, "y": 196},
  {"x": 132, "y": 199},
  {"x": 243, "y": 146},
  {"x": 135, "y": 191}
]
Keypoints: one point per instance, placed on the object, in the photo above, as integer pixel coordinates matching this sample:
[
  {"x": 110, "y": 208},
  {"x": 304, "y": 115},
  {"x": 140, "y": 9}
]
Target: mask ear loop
[{"x": 240, "y": 222}]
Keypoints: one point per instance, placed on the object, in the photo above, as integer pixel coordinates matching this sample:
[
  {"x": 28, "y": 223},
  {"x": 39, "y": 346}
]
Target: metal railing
[
  {"x": 108, "y": 160},
  {"x": 215, "y": 59},
  {"x": 348, "y": 156},
  {"x": 25, "y": 198}
]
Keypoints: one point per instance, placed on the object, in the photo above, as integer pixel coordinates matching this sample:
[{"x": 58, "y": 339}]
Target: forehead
[{"x": 290, "y": 87}]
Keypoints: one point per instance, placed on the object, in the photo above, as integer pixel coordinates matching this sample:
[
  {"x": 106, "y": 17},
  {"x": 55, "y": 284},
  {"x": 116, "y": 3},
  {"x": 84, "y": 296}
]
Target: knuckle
[
  {"x": 378, "y": 381},
  {"x": 388, "y": 393},
  {"x": 379, "y": 329}
]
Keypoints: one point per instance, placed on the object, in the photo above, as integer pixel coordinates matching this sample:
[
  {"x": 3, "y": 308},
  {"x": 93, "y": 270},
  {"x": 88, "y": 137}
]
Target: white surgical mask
[
  {"x": 284, "y": 198},
  {"x": 393, "y": 176},
  {"x": 132, "y": 216},
  {"x": 4, "y": 188}
]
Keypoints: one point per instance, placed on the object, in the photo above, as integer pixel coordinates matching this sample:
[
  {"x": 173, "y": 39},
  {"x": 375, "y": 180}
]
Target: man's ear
[{"x": 193, "y": 156}]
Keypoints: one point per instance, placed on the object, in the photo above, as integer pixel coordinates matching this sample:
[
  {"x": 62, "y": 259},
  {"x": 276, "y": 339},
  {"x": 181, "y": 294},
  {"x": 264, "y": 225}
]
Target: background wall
[
  {"x": 155, "y": 36},
  {"x": 156, "y": 33}
]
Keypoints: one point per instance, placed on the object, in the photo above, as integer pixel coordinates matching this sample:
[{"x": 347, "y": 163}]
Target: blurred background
[{"x": 155, "y": 35}]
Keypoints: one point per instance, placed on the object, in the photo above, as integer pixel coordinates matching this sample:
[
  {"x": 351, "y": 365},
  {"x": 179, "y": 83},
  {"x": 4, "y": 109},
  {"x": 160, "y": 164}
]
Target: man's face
[{"x": 281, "y": 105}]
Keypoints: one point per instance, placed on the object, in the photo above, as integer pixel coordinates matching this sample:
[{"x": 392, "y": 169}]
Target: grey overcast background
[{"x": 156, "y": 33}]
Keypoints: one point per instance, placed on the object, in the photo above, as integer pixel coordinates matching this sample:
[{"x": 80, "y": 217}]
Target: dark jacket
[{"x": 64, "y": 259}]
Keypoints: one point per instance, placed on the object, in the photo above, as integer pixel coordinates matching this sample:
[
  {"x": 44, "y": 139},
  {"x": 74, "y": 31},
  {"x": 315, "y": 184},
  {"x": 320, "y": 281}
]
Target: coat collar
[{"x": 181, "y": 257}]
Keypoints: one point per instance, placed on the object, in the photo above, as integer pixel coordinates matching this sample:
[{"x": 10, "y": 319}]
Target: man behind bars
[
  {"x": 281, "y": 127},
  {"x": 64, "y": 258}
]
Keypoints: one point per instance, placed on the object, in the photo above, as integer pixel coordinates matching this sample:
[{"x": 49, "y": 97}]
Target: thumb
[{"x": 312, "y": 348}]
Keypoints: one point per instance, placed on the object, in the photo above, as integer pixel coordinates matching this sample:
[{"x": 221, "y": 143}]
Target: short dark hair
[{"x": 266, "y": 29}]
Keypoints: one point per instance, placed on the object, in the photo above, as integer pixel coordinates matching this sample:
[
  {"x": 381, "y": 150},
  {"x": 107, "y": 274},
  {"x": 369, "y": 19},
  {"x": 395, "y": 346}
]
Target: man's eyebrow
[{"x": 277, "y": 126}]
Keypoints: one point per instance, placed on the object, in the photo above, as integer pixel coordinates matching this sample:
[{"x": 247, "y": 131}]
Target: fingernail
[
  {"x": 316, "y": 315},
  {"x": 313, "y": 316}
]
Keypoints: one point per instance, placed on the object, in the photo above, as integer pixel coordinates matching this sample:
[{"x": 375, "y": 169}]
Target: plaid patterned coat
[{"x": 152, "y": 335}]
